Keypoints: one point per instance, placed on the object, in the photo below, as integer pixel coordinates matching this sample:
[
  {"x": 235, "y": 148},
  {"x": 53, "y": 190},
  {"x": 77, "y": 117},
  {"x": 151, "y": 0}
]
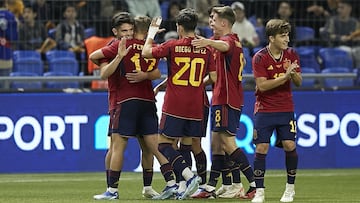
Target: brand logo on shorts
[{"x": 255, "y": 136}]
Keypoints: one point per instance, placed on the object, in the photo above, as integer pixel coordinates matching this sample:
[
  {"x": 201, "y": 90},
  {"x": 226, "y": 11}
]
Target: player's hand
[
  {"x": 292, "y": 69},
  {"x": 136, "y": 76},
  {"x": 154, "y": 27},
  {"x": 122, "y": 50},
  {"x": 200, "y": 43}
]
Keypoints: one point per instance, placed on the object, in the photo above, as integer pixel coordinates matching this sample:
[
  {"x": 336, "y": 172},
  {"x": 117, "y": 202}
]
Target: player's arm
[
  {"x": 109, "y": 69},
  {"x": 263, "y": 84},
  {"x": 296, "y": 78},
  {"x": 161, "y": 86},
  {"x": 138, "y": 75},
  {"x": 220, "y": 45},
  {"x": 210, "y": 78},
  {"x": 153, "y": 29},
  {"x": 96, "y": 56}
]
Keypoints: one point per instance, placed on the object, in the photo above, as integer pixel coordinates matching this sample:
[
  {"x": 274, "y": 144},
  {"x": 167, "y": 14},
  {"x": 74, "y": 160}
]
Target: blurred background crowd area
[{"x": 321, "y": 29}]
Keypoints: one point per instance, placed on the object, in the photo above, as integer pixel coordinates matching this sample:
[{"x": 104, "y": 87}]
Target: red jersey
[
  {"x": 184, "y": 96},
  {"x": 132, "y": 61},
  {"x": 228, "y": 88},
  {"x": 112, "y": 83},
  {"x": 280, "y": 98}
]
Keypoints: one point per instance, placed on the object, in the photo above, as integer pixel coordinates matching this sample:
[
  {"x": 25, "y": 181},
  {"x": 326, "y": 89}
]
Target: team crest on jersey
[
  {"x": 270, "y": 67},
  {"x": 255, "y": 136},
  {"x": 238, "y": 44}
]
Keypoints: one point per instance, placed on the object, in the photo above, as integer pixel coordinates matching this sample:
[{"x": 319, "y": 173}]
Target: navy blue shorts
[
  {"x": 225, "y": 119},
  {"x": 283, "y": 123},
  {"x": 134, "y": 117},
  {"x": 175, "y": 127}
]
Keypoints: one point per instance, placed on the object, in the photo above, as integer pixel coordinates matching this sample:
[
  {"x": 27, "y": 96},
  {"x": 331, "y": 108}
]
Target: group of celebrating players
[{"x": 129, "y": 63}]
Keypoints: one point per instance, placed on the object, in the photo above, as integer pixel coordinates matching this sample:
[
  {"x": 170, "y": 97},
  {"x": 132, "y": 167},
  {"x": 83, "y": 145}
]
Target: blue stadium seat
[
  {"x": 60, "y": 85},
  {"x": 164, "y": 6},
  {"x": 89, "y": 32},
  {"x": 19, "y": 54},
  {"x": 25, "y": 84},
  {"x": 248, "y": 59},
  {"x": 64, "y": 65},
  {"x": 206, "y": 31},
  {"x": 262, "y": 36},
  {"x": 55, "y": 54},
  {"x": 62, "y": 61},
  {"x": 163, "y": 67},
  {"x": 156, "y": 82},
  {"x": 308, "y": 82},
  {"x": 304, "y": 33},
  {"x": 52, "y": 33},
  {"x": 337, "y": 82},
  {"x": 256, "y": 49},
  {"x": 308, "y": 58},
  {"x": 334, "y": 57},
  {"x": 28, "y": 61}
]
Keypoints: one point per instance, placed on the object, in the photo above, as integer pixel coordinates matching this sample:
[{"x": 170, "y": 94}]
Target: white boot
[
  {"x": 289, "y": 193},
  {"x": 259, "y": 196}
]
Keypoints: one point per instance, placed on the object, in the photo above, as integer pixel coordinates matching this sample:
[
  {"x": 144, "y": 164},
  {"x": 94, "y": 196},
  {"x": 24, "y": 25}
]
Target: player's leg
[
  {"x": 287, "y": 133},
  {"x": 232, "y": 188},
  {"x": 217, "y": 157},
  {"x": 226, "y": 186},
  {"x": 200, "y": 160},
  {"x": 198, "y": 152},
  {"x": 148, "y": 129},
  {"x": 116, "y": 162},
  {"x": 263, "y": 129},
  {"x": 172, "y": 126},
  {"x": 107, "y": 157},
  {"x": 147, "y": 163},
  {"x": 227, "y": 133}
]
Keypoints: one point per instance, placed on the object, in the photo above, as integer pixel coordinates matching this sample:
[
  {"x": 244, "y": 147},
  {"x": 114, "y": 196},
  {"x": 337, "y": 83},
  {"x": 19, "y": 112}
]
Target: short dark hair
[
  {"x": 188, "y": 19},
  {"x": 121, "y": 18},
  {"x": 277, "y": 26},
  {"x": 211, "y": 8},
  {"x": 225, "y": 12}
]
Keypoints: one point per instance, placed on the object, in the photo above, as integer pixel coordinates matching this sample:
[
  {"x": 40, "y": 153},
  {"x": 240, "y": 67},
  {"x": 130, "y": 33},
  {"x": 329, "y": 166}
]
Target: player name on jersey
[{"x": 189, "y": 49}]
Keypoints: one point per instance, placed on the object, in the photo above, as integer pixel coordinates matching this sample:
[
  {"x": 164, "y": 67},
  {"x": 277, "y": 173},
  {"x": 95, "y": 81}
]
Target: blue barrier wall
[{"x": 61, "y": 132}]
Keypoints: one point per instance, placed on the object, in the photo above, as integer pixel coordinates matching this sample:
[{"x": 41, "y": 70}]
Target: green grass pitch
[{"x": 311, "y": 186}]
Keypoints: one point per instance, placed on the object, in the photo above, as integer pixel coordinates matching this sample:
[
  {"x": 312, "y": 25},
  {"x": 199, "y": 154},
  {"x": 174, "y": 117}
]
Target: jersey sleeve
[
  {"x": 111, "y": 50},
  {"x": 211, "y": 61},
  {"x": 258, "y": 66},
  {"x": 162, "y": 50}
]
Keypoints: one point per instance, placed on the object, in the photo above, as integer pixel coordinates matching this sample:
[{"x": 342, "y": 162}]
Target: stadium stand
[
  {"x": 308, "y": 58},
  {"x": 25, "y": 84},
  {"x": 60, "y": 85},
  {"x": 62, "y": 61},
  {"x": 28, "y": 61},
  {"x": 309, "y": 44},
  {"x": 335, "y": 57},
  {"x": 337, "y": 82}
]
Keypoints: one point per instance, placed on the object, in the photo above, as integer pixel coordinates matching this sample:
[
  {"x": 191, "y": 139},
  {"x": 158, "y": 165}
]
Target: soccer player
[
  {"x": 275, "y": 67},
  {"x": 182, "y": 111},
  {"x": 123, "y": 28},
  {"x": 196, "y": 148},
  {"x": 231, "y": 184},
  {"x": 227, "y": 100}
]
